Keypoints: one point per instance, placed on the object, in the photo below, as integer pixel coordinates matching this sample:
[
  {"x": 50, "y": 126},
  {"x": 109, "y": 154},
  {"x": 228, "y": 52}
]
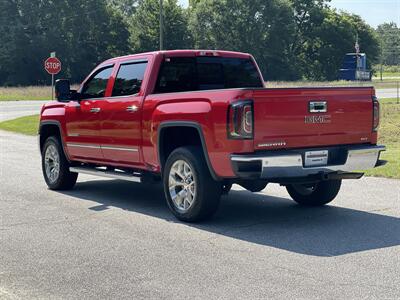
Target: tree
[
  {"x": 10, "y": 33},
  {"x": 258, "y": 27},
  {"x": 329, "y": 42},
  {"x": 126, "y": 7},
  {"x": 82, "y": 32},
  {"x": 145, "y": 31},
  {"x": 389, "y": 36},
  {"x": 290, "y": 39},
  {"x": 308, "y": 15}
]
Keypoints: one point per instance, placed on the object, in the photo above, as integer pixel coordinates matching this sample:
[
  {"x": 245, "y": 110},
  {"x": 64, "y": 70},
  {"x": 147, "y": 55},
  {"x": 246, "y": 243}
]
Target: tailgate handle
[
  {"x": 95, "y": 110},
  {"x": 317, "y": 106}
]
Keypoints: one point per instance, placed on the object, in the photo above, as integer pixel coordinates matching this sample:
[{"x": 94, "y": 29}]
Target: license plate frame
[{"x": 316, "y": 158}]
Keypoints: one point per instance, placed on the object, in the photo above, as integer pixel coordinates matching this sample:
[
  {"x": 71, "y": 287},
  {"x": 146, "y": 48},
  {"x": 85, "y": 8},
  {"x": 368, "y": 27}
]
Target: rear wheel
[
  {"x": 316, "y": 194},
  {"x": 55, "y": 166},
  {"x": 191, "y": 193},
  {"x": 253, "y": 186},
  {"x": 226, "y": 188}
]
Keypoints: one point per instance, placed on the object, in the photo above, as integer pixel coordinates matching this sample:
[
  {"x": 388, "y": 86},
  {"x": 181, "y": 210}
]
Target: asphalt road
[
  {"x": 114, "y": 239},
  {"x": 15, "y": 109},
  {"x": 386, "y": 93}
]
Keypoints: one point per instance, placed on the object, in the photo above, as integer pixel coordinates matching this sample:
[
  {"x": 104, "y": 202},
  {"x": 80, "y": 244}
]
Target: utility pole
[
  {"x": 381, "y": 60},
  {"x": 161, "y": 26}
]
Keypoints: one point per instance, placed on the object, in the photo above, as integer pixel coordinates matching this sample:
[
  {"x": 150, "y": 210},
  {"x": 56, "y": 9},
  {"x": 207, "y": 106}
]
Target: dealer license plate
[{"x": 316, "y": 158}]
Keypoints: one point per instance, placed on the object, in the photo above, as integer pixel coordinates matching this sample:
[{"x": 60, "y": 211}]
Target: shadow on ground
[{"x": 261, "y": 219}]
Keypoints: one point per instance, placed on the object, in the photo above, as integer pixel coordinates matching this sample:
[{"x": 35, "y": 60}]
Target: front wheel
[
  {"x": 191, "y": 193},
  {"x": 316, "y": 194},
  {"x": 55, "y": 166}
]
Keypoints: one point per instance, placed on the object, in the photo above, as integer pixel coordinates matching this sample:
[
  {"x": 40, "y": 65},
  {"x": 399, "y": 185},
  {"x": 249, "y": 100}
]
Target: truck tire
[
  {"x": 55, "y": 166},
  {"x": 191, "y": 193},
  {"x": 316, "y": 194},
  {"x": 226, "y": 188},
  {"x": 253, "y": 186}
]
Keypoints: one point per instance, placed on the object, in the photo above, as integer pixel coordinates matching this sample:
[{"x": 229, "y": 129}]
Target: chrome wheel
[
  {"x": 52, "y": 163},
  {"x": 182, "y": 185}
]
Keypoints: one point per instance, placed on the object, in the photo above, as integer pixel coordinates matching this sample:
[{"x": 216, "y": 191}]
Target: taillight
[
  {"x": 375, "y": 113},
  {"x": 240, "y": 120}
]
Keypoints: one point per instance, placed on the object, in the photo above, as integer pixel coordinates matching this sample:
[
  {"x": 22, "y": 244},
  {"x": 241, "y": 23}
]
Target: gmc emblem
[{"x": 321, "y": 119}]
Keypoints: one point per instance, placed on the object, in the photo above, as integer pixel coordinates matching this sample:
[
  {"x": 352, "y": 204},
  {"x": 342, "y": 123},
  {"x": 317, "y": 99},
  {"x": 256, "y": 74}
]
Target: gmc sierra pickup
[{"x": 201, "y": 121}]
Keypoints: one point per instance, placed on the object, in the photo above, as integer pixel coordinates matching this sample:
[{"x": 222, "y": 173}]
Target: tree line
[
  {"x": 291, "y": 39},
  {"x": 389, "y": 34}
]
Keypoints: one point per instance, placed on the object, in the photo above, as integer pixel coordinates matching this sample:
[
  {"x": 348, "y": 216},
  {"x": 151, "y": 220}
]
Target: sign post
[{"x": 52, "y": 65}]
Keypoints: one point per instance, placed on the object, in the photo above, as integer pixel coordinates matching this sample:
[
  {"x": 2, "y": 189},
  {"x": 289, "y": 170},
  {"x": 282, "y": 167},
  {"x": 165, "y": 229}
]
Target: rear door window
[{"x": 129, "y": 79}]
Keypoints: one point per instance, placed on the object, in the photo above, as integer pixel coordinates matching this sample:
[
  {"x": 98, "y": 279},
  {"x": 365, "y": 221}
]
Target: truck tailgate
[{"x": 312, "y": 117}]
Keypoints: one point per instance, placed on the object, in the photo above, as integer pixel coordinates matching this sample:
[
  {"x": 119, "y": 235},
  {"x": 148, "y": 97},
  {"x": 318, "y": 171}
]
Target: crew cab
[{"x": 200, "y": 121}]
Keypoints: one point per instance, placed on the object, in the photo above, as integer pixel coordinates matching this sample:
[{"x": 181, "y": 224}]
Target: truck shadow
[{"x": 259, "y": 218}]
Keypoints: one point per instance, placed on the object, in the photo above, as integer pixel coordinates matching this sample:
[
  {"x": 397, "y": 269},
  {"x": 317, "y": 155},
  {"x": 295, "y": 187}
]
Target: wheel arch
[
  {"x": 49, "y": 128},
  {"x": 196, "y": 127}
]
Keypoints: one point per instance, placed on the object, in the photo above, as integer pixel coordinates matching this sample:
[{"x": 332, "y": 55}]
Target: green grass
[
  {"x": 386, "y": 74},
  {"x": 389, "y": 135},
  {"x": 386, "y": 83},
  {"x": 25, "y": 125},
  {"x": 389, "y": 101},
  {"x": 392, "y": 168},
  {"x": 25, "y": 93},
  {"x": 388, "y": 71}
]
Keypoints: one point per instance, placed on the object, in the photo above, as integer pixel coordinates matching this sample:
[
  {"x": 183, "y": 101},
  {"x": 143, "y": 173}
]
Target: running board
[{"x": 135, "y": 177}]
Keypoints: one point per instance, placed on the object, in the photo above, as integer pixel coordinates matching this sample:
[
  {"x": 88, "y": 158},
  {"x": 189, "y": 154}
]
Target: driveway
[
  {"x": 15, "y": 109},
  {"x": 114, "y": 239}
]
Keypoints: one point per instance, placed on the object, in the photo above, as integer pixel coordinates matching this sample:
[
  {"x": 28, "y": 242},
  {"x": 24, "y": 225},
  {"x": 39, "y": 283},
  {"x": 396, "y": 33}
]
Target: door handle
[
  {"x": 132, "y": 108},
  {"x": 95, "y": 110}
]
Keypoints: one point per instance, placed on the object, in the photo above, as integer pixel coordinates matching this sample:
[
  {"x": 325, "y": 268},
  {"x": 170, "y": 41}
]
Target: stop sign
[{"x": 52, "y": 65}]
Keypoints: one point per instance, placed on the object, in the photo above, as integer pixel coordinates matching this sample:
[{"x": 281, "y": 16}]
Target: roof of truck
[{"x": 183, "y": 53}]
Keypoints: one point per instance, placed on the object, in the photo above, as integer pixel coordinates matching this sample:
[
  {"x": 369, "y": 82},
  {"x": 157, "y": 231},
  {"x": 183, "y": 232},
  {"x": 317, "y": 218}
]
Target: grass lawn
[
  {"x": 26, "y": 125},
  {"x": 25, "y": 93},
  {"x": 386, "y": 83},
  {"x": 386, "y": 74},
  {"x": 389, "y": 135}
]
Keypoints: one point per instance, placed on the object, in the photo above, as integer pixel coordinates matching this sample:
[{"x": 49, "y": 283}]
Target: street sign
[{"x": 52, "y": 65}]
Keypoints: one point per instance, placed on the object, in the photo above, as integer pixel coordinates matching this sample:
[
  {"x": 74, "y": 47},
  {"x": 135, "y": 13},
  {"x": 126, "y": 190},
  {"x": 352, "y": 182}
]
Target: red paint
[
  {"x": 52, "y": 65},
  {"x": 278, "y": 118}
]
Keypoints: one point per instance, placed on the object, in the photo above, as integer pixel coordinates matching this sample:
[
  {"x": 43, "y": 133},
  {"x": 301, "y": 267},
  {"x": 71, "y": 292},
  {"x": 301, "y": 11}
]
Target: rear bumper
[{"x": 290, "y": 163}]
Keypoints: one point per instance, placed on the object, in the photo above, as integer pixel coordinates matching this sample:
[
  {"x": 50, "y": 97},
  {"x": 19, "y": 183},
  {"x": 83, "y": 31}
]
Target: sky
[{"x": 374, "y": 12}]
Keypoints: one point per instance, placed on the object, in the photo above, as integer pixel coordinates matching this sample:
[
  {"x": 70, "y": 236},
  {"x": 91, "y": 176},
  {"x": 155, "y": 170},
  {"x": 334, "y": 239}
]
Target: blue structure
[{"x": 355, "y": 67}]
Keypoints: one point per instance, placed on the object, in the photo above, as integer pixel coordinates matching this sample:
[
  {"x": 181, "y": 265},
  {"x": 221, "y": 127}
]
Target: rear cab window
[{"x": 182, "y": 74}]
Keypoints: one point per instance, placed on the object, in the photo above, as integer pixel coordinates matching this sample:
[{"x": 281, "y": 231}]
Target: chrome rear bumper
[{"x": 285, "y": 164}]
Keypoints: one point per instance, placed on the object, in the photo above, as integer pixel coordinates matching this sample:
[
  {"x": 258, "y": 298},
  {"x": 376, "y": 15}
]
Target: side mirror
[{"x": 63, "y": 90}]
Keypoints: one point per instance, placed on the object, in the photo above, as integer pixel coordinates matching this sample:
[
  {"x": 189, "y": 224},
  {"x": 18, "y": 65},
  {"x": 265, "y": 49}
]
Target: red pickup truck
[{"x": 203, "y": 120}]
